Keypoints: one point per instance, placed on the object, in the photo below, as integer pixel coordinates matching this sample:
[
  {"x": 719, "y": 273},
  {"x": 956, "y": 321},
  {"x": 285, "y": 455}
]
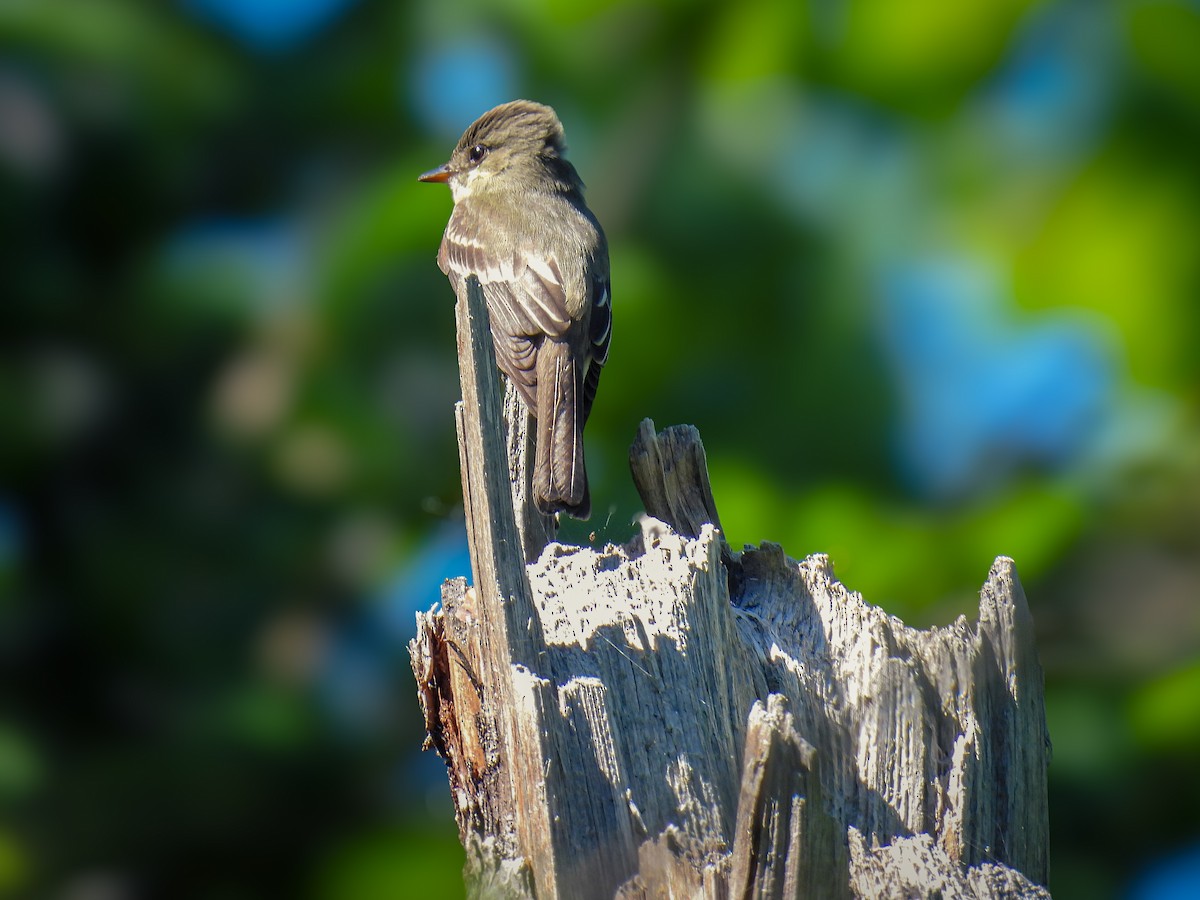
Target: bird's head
[{"x": 517, "y": 144}]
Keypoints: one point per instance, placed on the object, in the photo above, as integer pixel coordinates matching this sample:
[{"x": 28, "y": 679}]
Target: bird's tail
[{"x": 560, "y": 477}]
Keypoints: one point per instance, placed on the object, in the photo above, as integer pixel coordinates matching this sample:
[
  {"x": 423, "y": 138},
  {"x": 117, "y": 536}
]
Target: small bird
[{"x": 521, "y": 226}]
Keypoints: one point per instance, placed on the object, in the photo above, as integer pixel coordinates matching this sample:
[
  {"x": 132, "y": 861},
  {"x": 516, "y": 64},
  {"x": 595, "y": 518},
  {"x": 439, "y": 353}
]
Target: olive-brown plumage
[{"x": 520, "y": 225}]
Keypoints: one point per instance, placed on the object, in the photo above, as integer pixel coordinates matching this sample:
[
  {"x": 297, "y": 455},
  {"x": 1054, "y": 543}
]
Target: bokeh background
[{"x": 925, "y": 275}]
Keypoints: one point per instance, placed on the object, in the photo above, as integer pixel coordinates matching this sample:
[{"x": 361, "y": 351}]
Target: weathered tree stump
[{"x": 670, "y": 718}]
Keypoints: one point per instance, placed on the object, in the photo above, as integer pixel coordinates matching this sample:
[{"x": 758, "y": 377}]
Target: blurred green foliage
[{"x": 923, "y": 274}]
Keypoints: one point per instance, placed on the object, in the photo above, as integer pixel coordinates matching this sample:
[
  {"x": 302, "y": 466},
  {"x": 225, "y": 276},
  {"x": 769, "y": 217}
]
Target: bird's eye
[{"x": 478, "y": 152}]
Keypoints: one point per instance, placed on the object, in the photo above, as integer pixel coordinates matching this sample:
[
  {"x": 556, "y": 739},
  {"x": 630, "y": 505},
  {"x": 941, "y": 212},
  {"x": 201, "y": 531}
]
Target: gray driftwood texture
[{"x": 669, "y": 718}]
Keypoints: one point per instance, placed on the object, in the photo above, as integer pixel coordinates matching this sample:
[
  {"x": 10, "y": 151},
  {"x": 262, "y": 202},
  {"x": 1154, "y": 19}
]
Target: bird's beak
[{"x": 440, "y": 175}]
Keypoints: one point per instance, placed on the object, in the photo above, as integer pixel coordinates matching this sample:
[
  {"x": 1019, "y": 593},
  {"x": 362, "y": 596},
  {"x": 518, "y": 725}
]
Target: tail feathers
[{"x": 560, "y": 476}]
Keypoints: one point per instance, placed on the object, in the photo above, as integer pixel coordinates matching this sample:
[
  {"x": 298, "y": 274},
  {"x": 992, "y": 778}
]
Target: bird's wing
[
  {"x": 600, "y": 334},
  {"x": 525, "y": 295}
]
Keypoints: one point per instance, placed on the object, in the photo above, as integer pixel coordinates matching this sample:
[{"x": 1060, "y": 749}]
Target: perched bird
[{"x": 520, "y": 225}]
